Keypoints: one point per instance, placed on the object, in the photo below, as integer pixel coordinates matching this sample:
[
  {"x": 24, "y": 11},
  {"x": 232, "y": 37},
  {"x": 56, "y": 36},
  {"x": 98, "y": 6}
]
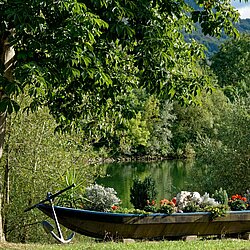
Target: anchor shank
[{"x": 55, "y": 219}]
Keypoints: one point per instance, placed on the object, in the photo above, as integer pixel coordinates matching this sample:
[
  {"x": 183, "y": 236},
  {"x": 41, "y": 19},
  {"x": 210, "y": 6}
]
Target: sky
[{"x": 243, "y": 8}]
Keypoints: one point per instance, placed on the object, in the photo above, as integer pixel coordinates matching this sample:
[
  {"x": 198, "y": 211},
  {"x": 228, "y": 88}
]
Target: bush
[
  {"x": 99, "y": 198},
  {"x": 221, "y": 196},
  {"x": 142, "y": 191}
]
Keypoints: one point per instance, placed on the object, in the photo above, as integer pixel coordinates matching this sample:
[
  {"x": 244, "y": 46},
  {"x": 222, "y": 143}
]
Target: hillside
[{"x": 212, "y": 44}]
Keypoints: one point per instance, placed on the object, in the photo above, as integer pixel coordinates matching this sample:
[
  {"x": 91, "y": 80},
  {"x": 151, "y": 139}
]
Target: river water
[{"x": 170, "y": 177}]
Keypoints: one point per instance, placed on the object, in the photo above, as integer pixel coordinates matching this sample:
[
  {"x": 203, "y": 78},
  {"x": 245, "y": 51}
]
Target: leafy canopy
[
  {"x": 231, "y": 65},
  {"x": 82, "y": 57}
]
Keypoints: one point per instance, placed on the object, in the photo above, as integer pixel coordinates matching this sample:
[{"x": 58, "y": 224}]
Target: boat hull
[{"x": 115, "y": 225}]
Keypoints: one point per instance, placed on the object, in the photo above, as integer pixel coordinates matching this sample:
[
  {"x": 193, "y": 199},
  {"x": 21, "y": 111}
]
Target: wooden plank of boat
[{"x": 103, "y": 224}]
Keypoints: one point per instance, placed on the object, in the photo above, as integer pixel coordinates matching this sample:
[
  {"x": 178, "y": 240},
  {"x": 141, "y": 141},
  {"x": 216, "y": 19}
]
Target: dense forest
[{"x": 93, "y": 81}]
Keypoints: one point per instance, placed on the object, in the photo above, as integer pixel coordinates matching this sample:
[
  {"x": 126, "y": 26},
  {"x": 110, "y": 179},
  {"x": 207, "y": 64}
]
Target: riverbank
[
  {"x": 223, "y": 244},
  {"x": 125, "y": 159}
]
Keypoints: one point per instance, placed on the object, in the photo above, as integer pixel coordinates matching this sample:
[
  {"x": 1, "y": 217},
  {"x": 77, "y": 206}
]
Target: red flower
[
  {"x": 239, "y": 197},
  {"x": 244, "y": 199},
  {"x": 174, "y": 200},
  {"x": 234, "y": 197},
  {"x": 114, "y": 207}
]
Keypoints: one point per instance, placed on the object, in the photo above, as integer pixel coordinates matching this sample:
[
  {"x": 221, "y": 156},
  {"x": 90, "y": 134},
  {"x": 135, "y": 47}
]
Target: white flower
[
  {"x": 185, "y": 198},
  {"x": 207, "y": 201}
]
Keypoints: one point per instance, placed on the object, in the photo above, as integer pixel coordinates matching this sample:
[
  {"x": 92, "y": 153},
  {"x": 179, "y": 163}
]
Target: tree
[
  {"x": 224, "y": 159},
  {"x": 36, "y": 160},
  {"x": 231, "y": 65},
  {"x": 78, "y": 57}
]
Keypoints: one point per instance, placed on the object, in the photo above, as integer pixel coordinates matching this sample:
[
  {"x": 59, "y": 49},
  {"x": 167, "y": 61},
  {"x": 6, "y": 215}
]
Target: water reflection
[{"x": 170, "y": 176}]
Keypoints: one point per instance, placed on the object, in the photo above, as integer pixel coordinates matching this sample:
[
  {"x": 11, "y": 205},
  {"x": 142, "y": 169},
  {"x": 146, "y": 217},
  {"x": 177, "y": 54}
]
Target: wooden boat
[
  {"x": 150, "y": 226},
  {"x": 107, "y": 225}
]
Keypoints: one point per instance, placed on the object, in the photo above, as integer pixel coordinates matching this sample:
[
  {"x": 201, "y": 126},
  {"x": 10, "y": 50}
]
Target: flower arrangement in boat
[
  {"x": 238, "y": 202},
  {"x": 184, "y": 202},
  {"x": 167, "y": 207},
  {"x": 193, "y": 201},
  {"x": 100, "y": 198}
]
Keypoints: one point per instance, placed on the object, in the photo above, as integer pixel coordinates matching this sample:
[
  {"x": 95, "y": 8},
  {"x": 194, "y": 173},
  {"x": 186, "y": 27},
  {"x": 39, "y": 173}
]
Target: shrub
[
  {"x": 99, "y": 198},
  {"x": 221, "y": 196},
  {"x": 142, "y": 191}
]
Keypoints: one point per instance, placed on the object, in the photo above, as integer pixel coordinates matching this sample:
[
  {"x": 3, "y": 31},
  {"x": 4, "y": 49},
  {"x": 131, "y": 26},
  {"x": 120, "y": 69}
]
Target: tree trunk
[{"x": 6, "y": 61}]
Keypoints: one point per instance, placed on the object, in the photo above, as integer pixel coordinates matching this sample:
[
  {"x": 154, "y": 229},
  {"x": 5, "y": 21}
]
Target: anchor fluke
[
  {"x": 49, "y": 230},
  {"x": 47, "y": 226}
]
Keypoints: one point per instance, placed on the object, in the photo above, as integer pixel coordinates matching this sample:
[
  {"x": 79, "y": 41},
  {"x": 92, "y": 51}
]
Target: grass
[{"x": 223, "y": 244}]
